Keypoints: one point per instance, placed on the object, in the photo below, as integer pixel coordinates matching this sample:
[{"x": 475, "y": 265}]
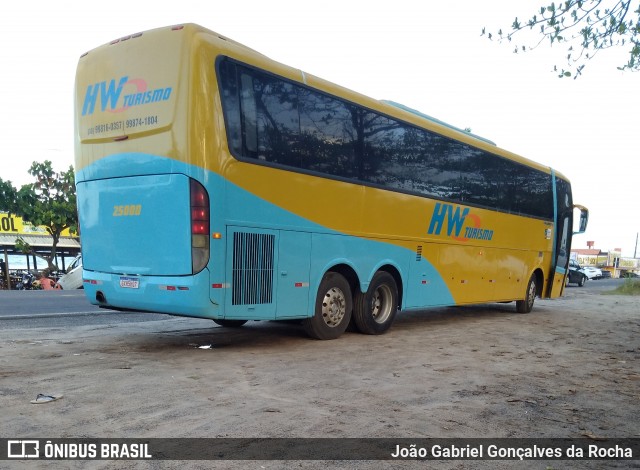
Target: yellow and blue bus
[{"x": 213, "y": 182}]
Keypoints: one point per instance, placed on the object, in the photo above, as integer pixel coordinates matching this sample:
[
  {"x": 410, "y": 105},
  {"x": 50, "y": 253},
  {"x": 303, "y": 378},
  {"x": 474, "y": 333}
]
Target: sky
[{"x": 427, "y": 55}]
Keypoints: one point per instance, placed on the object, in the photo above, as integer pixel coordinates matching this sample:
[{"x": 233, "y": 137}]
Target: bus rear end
[{"x": 144, "y": 212}]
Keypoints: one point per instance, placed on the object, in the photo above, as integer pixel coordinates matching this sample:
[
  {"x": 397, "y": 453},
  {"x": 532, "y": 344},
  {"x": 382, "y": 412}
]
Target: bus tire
[
  {"x": 375, "y": 310},
  {"x": 230, "y": 323},
  {"x": 526, "y": 305},
  {"x": 333, "y": 308}
]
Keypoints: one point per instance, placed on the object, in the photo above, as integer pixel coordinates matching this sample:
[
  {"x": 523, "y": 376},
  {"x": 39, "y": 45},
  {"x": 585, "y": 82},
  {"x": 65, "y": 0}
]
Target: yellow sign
[{"x": 16, "y": 226}]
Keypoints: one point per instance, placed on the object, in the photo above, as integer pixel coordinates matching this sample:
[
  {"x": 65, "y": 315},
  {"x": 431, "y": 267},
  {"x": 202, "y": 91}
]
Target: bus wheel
[
  {"x": 526, "y": 305},
  {"x": 230, "y": 323},
  {"x": 333, "y": 308},
  {"x": 375, "y": 310}
]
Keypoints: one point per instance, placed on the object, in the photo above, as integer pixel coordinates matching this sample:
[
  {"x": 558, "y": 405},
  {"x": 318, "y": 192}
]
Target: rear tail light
[{"x": 199, "y": 226}]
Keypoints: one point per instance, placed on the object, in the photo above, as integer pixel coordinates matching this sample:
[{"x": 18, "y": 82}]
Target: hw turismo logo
[
  {"x": 455, "y": 217},
  {"x": 116, "y": 96}
]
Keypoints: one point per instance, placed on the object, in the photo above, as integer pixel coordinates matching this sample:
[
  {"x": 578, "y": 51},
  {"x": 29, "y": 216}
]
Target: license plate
[{"x": 129, "y": 282}]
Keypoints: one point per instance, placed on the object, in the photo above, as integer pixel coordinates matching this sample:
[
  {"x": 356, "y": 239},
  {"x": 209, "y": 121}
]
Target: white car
[
  {"x": 73, "y": 278},
  {"x": 591, "y": 272}
]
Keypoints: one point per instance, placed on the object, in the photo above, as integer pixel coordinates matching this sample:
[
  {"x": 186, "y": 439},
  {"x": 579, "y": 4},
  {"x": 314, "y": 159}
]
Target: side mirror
[{"x": 584, "y": 218}]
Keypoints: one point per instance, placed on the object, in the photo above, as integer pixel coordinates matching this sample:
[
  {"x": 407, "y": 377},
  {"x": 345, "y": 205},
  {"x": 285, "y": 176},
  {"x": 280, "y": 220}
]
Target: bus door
[{"x": 563, "y": 232}]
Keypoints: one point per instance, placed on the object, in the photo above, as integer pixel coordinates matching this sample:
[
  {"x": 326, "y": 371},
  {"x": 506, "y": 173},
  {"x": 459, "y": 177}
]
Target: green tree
[
  {"x": 49, "y": 202},
  {"x": 586, "y": 27},
  {"x": 8, "y": 197}
]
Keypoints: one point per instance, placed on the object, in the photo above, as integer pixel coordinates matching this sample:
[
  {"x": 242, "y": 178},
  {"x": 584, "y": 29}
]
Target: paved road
[
  {"x": 32, "y": 309},
  {"x": 17, "y": 303},
  {"x": 600, "y": 284},
  {"x": 54, "y": 308}
]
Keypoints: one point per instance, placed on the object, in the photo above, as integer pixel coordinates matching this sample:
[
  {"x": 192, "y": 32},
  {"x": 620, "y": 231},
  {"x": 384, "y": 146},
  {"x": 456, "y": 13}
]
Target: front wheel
[
  {"x": 332, "y": 310},
  {"x": 582, "y": 280},
  {"x": 526, "y": 305},
  {"x": 375, "y": 310}
]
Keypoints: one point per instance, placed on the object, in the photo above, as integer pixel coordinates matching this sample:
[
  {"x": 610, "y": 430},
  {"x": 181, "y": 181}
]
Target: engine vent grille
[{"x": 252, "y": 268}]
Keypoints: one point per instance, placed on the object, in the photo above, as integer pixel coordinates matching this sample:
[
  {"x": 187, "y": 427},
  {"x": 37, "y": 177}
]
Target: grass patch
[{"x": 630, "y": 287}]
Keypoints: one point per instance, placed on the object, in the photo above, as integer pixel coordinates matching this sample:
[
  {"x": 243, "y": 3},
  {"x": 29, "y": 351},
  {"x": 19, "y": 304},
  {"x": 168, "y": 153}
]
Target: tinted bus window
[
  {"x": 328, "y": 137},
  {"x": 283, "y": 123}
]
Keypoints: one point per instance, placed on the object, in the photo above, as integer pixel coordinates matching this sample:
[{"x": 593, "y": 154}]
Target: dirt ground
[{"x": 571, "y": 368}]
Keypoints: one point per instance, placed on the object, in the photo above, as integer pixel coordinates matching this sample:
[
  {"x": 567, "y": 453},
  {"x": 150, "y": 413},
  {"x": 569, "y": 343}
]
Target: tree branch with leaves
[
  {"x": 586, "y": 27},
  {"x": 49, "y": 202}
]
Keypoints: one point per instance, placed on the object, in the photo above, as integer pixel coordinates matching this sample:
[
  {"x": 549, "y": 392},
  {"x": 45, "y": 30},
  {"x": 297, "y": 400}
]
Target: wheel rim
[
  {"x": 334, "y": 307},
  {"x": 532, "y": 294},
  {"x": 381, "y": 307}
]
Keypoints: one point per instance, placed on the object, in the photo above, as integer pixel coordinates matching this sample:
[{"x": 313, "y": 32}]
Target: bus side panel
[
  {"x": 511, "y": 275},
  {"x": 366, "y": 257},
  {"x": 426, "y": 286},
  {"x": 294, "y": 263},
  {"x": 470, "y": 269}
]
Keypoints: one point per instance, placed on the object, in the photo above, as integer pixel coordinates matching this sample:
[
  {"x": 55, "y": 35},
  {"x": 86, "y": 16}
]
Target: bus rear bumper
[{"x": 175, "y": 295}]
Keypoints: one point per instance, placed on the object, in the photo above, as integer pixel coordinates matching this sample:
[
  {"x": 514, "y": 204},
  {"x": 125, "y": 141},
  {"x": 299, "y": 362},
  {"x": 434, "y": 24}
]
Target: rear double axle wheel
[
  {"x": 333, "y": 308},
  {"x": 375, "y": 310}
]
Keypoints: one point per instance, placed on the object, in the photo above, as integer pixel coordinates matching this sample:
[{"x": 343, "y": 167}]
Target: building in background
[
  {"x": 611, "y": 260},
  {"x": 13, "y": 227}
]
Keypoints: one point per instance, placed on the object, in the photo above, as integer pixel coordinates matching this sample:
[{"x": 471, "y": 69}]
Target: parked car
[
  {"x": 73, "y": 278},
  {"x": 630, "y": 275},
  {"x": 589, "y": 271},
  {"x": 576, "y": 276},
  {"x": 606, "y": 274}
]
